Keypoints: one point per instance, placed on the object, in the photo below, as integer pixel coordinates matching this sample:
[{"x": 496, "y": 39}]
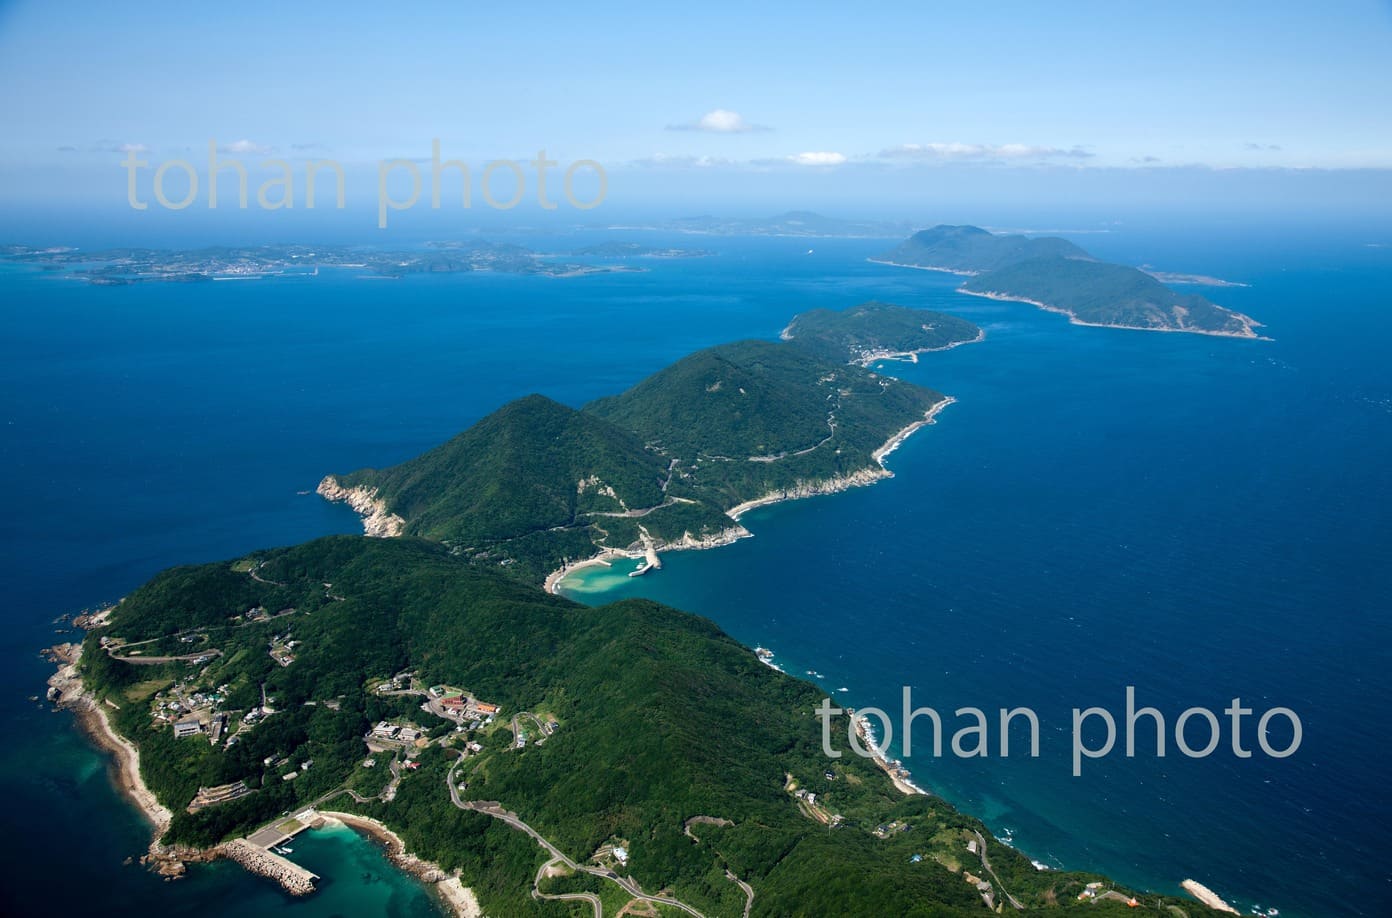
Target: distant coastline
[
  {"x": 941, "y": 270},
  {"x": 1248, "y": 323}
]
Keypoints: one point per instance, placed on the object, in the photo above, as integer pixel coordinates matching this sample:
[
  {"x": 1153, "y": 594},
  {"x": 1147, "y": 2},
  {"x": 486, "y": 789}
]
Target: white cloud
[
  {"x": 1011, "y": 152},
  {"x": 106, "y": 146},
  {"x": 243, "y": 147},
  {"x": 821, "y": 158},
  {"x": 719, "y": 121},
  {"x": 677, "y": 160}
]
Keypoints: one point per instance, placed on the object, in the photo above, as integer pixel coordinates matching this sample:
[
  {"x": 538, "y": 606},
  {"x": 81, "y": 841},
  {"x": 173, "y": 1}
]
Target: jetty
[
  {"x": 296, "y": 880},
  {"x": 255, "y": 855},
  {"x": 650, "y": 560}
]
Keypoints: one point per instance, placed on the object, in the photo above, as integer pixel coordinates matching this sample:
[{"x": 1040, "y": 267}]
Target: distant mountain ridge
[
  {"x": 1057, "y": 275},
  {"x": 973, "y": 250}
]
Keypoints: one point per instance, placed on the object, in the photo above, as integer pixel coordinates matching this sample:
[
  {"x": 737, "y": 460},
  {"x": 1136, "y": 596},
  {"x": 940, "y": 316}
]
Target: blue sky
[{"x": 708, "y": 97}]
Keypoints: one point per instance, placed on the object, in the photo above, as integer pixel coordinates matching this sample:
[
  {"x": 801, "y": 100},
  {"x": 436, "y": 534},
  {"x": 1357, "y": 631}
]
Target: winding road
[{"x": 627, "y": 884}]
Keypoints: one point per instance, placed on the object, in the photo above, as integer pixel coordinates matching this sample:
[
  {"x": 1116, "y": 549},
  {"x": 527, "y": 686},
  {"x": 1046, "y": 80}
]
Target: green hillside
[
  {"x": 1060, "y": 275},
  {"x": 874, "y": 330},
  {"x": 972, "y": 250},
  {"x": 1106, "y": 294},
  {"x": 533, "y": 484},
  {"x": 751, "y": 417},
  {"x": 661, "y": 718},
  {"x": 532, "y": 464},
  {"x": 537, "y": 483}
]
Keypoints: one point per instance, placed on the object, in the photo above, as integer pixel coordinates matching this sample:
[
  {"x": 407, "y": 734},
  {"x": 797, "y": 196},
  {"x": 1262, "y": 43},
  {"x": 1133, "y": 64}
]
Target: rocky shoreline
[
  {"x": 66, "y": 691},
  {"x": 459, "y": 897},
  {"x": 800, "y": 490},
  {"x": 378, "y": 522},
  {"x": 293, "y": 878},
  {"x": 1249, "y": 324}
]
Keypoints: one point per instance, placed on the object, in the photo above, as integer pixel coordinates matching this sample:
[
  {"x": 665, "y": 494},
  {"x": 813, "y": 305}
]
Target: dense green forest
[
  {"x": 1061, "y": 276},
  {"x": 752, "y": 417},
  {"x": 875, "y": 329},
  {"x": 661, "y": 716},
  {"x": 631, "y": 724},
  {"x": 537, "y": 483},
  {"x": 1108, "y": 294},
  {"x": 973, "y": 250}
]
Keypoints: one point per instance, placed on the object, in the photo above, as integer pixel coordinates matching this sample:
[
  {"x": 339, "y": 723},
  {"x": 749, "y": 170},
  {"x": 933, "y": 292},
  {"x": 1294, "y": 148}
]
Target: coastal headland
[{"x": 424, "y": 675}]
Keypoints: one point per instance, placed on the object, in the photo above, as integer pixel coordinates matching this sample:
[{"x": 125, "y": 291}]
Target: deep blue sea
[{"x": 1200, "y": 518}]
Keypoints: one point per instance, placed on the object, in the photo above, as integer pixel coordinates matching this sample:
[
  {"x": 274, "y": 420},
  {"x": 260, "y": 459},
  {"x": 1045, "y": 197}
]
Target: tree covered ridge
[
  {"x": 537, "y": 483},
  {"x": 1059, "y": 275},
  {"x": 662, "y": 718}
]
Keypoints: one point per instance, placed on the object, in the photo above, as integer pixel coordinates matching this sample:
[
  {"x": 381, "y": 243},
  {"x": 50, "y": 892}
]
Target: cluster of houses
[
  {"x": 192, "y": 714},
  {"x": 283, "y": 649}
]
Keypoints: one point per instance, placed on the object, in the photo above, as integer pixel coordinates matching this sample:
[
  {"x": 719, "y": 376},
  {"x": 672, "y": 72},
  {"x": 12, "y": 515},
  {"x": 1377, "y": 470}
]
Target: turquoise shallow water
[{"x": 1199, "y": 518}]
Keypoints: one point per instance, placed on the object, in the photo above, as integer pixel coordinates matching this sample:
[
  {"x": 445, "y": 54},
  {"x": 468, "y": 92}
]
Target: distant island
[
  {"x": 522, "y": 752},
  {"x": 878, "y": 331},
  {"x": 637, "y": 250},
  {"x": 1058, "y": 276},
  {"x": 798, "y": 223},
  {"x": 538, "y": 487},
  {"x": 113, "y": 267}
]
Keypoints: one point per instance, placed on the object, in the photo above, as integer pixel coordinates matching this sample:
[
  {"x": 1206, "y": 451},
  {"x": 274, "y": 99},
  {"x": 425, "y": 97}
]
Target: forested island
[
  {"x": 1056, "y": 275},
  {"x": 878, "y": 331},
  {"x": 553, "y": 758},
  {"x": 671, "y": 463}
]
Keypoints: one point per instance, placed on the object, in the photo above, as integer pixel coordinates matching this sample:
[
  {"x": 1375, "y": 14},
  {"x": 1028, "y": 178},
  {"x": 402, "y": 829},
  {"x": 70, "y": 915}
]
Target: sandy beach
[
  {"x": 609, "y": 555},
  {"x": 603, "y": 559},
  {"x": 93, "y": 720},
  {"x": 460, "y": 898}
]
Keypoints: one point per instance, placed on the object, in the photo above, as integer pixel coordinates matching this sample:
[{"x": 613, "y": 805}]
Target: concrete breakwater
[{"x": 295, "y": 879}]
